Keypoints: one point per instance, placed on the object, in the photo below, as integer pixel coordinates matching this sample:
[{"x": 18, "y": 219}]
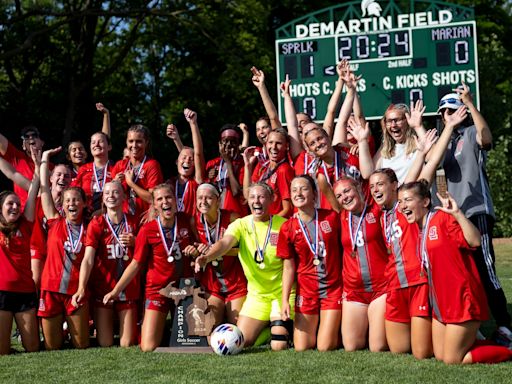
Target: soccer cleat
[{"x": 503, "y": 336}]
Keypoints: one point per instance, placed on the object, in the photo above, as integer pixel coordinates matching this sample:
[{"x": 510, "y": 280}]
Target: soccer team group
[{"x": 315, "y": 235}]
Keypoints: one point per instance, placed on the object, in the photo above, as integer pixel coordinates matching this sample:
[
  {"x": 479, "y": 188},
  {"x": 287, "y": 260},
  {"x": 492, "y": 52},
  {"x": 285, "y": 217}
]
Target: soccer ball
[{"x": 227, "y": 339}]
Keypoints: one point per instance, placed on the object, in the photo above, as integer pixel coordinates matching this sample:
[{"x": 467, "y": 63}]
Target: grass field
[{"x": 258, "y": 365}]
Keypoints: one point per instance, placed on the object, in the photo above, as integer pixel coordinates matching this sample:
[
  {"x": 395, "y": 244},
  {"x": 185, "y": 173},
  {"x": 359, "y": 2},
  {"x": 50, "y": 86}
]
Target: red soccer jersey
[
  {"x": 217, "y": 174},
  {"x": 364, "y": 263},
  {"x": 111, "y": 257},
  {"x": 279, "y": 180},
  {"x": 313, "y": 280},
  {"x": 185, "y": 195},
  {"x": 16, "y": 275},
  {"x": 456, "y": 292},
  {"x": 62, "y": 266},
  {"x": 404, "y": 265},
  {"x": 93, "y": 184},
  {"x": 148, "y": 177},
  {"x": 24, "y": 165},
  {"x": 345, "y": 164},
  {"x": 161, "y": 267},
  {"x": 39, "y": 233},
  {"x": 228, "y": 274}
]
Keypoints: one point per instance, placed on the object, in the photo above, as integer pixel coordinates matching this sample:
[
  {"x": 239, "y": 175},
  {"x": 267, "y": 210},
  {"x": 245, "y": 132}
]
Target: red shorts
[
  {"x": 361, "y": 297},
  {"x": 313, "y": 305},
  {"x": 404, "y": 303},
  {"x": 160, "y": 304},
  {"x": 230, "y": 295},
  {"x": 116, "y": 305},
  {"x": 52, "y": 304}
]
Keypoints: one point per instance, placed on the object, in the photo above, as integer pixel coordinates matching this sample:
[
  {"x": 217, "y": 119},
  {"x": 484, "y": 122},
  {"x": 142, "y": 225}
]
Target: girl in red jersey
[
  {"x": 159, "y": 244},
  {"x": 139, "y": 173},
  {"x": 18, "y": 297},
  {"x": 59, "y": 280},
  {"x": 336, "y": 162},
  {"x": 109, "y": 250},
  {"x": 223, "y": 279},
  {"x": 93, "y": 176},
  {"x": 309, "y": 244},
  {"x": 364, "y": 262},
  {"x": 277, "y": 173},
  {"x": 190, "y": 164},
  {"x": 408, "y": 323},
  {"x": 458, "y": 300}
]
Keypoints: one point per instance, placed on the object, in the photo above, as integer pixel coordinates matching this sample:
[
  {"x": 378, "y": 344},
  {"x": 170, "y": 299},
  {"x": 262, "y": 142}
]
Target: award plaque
[{"x": 191, "y": 323}]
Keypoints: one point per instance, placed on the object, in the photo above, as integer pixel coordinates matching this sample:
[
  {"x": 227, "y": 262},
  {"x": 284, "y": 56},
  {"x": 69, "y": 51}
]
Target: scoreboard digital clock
[{"x": 402, "y": 57}]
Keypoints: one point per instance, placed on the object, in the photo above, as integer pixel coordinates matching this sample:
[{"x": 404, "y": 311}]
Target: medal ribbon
[
  {"x": 423, "y": 244},
  {"x": 164, "y": 238},
  {"x": 115, "y": 231},
  {"x": 336, "y": 169},
  {"x": 180, "y": 202},
  {"x": 74, "y": 243},
  {"x": 259, "y": 256},
  {"x": 221, "y": 179},
  {"x": 312, "y": 246},
  {"x": 353, "y": 238},
  {"x": 387, "y": 223},
  {"x": 207, "y": 229},
  {"x": 99, "y": 186}
]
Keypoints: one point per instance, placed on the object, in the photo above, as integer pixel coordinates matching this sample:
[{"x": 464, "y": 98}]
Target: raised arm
[
  {"x": 12, "y": 174},
  {"x": 291, "y": 119},
  {"x": 471, "y": 233},
  {"x": 105, "y": 128},
  {"x": 415, "y": 118},
  {"x": 49, "y": 209},
  {"x": 197, "y": 143},
  {"x": 328, "y": 124},
  {"x": 361, "y": 134},
  {"x": 30, "y": 205},
  {"x": 326, "y": 189},
  {"x": 245, "y": 136},
  {"x": 340, "y": 132},
  {"x": 249, "y": 163},
  {"x": 173, "y": 134},
  {"x": 423, "y": 146},
  {"x": 483, "y": 133},
  {"x": 258, "y": 79}
]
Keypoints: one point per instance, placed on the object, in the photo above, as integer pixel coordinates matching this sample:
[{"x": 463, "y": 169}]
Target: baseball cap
[
  {"x": 30, "y": 129},
  {"x": 451, "y": 100}
]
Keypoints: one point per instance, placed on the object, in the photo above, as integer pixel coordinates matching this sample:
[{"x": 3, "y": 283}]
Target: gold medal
[
  {"x": 389, "y": 250},
  {"x": 261, "y": 265},
  {"x": 215, "y": 263},
  {"x": 353, "y": 254},
  {"x": 316, "y": 262}
]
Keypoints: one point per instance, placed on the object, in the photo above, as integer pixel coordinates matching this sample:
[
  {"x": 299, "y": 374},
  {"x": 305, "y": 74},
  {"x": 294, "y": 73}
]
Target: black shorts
[{"x": 17, "y": 301}]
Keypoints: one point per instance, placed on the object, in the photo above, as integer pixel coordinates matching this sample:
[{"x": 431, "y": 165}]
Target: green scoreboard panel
[{"x": 402, "y": 56}]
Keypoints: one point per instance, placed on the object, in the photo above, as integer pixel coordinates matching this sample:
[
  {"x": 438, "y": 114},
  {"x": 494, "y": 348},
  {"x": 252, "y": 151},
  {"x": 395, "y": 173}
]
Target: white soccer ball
[{"x": 227, "y": 339}]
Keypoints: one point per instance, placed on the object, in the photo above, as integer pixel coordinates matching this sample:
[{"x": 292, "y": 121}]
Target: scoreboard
[{"x": 421, "y": 53}]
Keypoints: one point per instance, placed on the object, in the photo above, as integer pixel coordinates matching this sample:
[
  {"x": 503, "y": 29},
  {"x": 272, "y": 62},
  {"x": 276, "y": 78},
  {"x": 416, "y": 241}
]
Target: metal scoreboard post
[{"x": 422, "y": 53}]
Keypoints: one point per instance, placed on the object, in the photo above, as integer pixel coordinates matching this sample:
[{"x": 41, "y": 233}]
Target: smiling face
[
  {"x": 113, "y": 195},
  {"x": 76, "y": 153},
  {"x": 99, "y": 145},
  {"x": 136, "y": 144},
  {"x": 206, "y": 201},
  {"x": 185, "y": 162},
  {"x": 11, "y": 208},
  {"x": 263, "y": 128},
  {"x": 277, "y": 146},
  {"x": 383, "y": 191},
  {"x": 164, "y": 203},
  {"x": 317, "y": 142},
  {"x": 349, "y": 196},
  {"x": 60, "y": 178},
  {"x": 259, "y": 201},
  {"x": 302, "y": 193},
  {"x": 73, "y": 205},
  {"x": 396, "y": 125},
  {"x": 412, "y": 205}
]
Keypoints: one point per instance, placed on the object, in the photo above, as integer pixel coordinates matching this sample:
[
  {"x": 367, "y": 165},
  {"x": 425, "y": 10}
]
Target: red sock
[{"x": 490, "y": 354}]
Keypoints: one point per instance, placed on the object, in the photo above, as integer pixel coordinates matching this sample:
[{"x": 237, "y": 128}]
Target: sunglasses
[{"x": 449, "y": 101}]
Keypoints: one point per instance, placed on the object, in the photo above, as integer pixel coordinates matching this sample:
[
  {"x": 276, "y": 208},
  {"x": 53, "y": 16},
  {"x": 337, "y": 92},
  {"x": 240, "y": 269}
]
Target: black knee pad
[{"x": 288, "y": 325}]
